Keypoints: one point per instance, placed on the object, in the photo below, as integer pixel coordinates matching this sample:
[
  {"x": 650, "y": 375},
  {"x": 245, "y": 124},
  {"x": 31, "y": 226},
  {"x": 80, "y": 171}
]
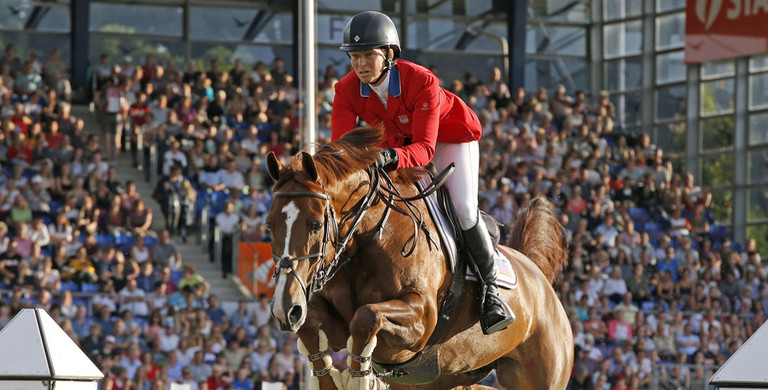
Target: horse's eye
[{"x": 316, "y": 226}]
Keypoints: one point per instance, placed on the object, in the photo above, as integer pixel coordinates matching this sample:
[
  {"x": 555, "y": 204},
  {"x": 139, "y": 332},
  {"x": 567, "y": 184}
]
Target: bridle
[
  {"x": 388, "y": 193},
  {"x": 331, "y": 234}
]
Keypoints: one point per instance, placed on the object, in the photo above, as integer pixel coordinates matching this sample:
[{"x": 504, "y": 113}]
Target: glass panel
[
  {"x": 542, "y": 72},
  {"x": 757, "y": 125},
  {"x": 758, "y": 63},
  {"x": 336, "y": 58},
  {"x": 570, "y": 41},
  {"x": 226, "y": 53},
  {"x": 624, "y": 74},
  {"x": 235, "y": 24},
  {"x": 24, "y": 15},
  {"x": 758, "y": 166},
  {"x": 760, "y": 234},
  {"x": 669, "y": 5},
  {"x": 137, "y": 49},
  {"x": 628, "y": 108},
  {"x": 474, "y": 7},
  {"x": 717, "y": 97},
  {"x": 42, "y": 43},
  {"x": 717, "y": 69},
  {"x": 717, "y": 133},
  {"x": 623, "y": 39},
  {"x": 136, "y": 19},
  {"x": 716, "y": 170},
  {"x": 432, "y": 7},
  {"x": 452, "y": 35},
  {"x": 670, "y": 102},
  {"x": 621, "y": 9},
  {"x": 670, "y": 67},
  {"x": 356, "y": 5},
  {"x": 757, "y": 205},
  {"x": 558, "y": 11},
  {"x": 758, "y": 91},
  {"x": 670, "y": 31},
  {"x": 670, "y": 137},
  {"x": 330, "y": 28},
  {"x": 442, "y": 64},
  {"x": 722, "y": 206}
]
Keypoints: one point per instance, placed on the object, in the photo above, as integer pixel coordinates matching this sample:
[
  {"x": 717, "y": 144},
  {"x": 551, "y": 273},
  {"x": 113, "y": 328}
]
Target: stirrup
[{"x": 503, "y": 323}]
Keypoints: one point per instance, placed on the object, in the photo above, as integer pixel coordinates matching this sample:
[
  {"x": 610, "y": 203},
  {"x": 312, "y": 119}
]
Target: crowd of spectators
[{"x": 652, "y": 282}]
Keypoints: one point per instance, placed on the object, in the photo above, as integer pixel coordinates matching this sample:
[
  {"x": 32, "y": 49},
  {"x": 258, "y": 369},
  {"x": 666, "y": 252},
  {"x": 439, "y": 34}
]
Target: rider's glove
[{"x": 387, "y": 159}]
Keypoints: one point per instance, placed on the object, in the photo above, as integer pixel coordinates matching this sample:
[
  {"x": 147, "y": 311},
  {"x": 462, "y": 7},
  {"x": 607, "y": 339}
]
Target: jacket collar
[{"x": 394, "y": 84}]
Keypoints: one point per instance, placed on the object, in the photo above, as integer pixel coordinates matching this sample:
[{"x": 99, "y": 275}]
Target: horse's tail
[{"x": 538, "y": 234}]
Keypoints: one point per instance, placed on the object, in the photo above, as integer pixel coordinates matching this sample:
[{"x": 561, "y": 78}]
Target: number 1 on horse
[{"x": 343, "y": 282}]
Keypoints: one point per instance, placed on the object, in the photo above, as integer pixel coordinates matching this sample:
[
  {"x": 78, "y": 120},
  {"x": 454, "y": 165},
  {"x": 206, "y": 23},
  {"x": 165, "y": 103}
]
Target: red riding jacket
[{"x": 419, "y": 113}]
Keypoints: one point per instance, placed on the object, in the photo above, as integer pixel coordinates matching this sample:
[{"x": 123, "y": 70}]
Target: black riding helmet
[{"x": 370, "y": 30}]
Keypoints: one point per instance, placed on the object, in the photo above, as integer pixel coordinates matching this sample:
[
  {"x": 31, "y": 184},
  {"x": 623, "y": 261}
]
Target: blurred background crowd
[{"x": 656, "y": 291}]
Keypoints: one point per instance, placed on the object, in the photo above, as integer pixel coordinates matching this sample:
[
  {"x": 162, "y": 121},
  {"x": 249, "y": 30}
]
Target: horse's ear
[
  {"x": 309, "y": 165},
  {"x": 273, "y": 166}
]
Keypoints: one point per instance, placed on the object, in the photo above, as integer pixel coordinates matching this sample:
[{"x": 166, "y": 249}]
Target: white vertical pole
[
  {"x": 308, "y": 89},
  {"x": 308, "y": 69}
]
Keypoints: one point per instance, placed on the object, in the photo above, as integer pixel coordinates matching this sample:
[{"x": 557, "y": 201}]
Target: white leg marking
[{"x": 291, "y": 213}]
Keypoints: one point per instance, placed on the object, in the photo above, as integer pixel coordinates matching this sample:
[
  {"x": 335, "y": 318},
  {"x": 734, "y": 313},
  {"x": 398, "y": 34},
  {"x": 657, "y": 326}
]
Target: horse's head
[{"x": 302, "y": 223}]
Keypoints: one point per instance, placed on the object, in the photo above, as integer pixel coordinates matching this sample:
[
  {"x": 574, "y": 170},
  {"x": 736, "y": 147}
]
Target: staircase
[{"x": 191, "y": 251}]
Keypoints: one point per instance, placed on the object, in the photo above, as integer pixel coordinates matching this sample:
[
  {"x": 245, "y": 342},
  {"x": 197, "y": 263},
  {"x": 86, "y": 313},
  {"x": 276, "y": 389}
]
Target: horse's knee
[{"x": 366, "y": 322}]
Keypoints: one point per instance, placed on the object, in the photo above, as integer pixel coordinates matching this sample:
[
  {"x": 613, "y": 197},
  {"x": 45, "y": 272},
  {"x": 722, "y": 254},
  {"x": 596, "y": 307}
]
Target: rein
[
  {"x": 331, "y": 234},
  {"x": 388, "y": 193}
]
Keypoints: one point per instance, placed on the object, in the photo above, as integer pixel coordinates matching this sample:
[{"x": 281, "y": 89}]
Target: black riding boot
[{"x": 497, "y": 315}]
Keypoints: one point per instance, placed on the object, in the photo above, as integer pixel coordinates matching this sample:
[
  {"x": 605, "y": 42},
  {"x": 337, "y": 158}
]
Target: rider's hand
[{"x": 387, "y": 159}]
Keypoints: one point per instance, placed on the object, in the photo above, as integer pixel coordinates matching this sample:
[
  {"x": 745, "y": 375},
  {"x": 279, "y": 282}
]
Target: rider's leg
[{"x": 463, "y": 188}]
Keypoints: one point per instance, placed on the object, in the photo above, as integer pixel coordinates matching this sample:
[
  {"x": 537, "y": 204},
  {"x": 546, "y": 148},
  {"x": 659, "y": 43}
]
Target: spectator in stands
[
  {"x": 164, "y": 253},
  {"x": 194, "y": 281},
  {"x": 134, "y": 299},
  {"x": 139, "y": 218},
  {"x": 111, "y": 102},
  {"x": 228, "y": 223},
  {"x": 29, "y": 81},
  {"x": 232, "y": 178}
]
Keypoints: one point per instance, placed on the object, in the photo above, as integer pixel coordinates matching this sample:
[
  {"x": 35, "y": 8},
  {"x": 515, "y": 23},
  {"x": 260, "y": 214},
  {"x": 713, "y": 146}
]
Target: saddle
[{"x": 424, "y": 367}]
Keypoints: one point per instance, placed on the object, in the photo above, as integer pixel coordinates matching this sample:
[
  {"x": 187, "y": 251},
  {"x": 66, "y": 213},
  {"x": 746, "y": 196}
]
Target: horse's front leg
[
  {"x": 321, "y": 330},
  {"x": 402, "y": 320}
]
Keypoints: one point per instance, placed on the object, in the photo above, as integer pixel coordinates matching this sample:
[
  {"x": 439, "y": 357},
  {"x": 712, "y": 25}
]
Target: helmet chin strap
[{"x": 387, "y": 67}]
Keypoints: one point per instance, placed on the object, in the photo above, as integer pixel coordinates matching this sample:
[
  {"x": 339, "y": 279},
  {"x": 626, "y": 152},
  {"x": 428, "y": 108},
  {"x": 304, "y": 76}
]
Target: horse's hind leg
[{"x": 535, "y": 365}]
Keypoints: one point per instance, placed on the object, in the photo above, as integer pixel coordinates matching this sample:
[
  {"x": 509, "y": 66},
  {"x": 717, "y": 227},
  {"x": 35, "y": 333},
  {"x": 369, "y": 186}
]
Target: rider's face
[{"x": 368, "y": 64}]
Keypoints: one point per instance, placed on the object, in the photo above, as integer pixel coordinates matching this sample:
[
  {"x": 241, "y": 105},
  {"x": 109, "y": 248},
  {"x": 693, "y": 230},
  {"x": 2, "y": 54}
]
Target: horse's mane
[{"x": 355, "y": 151}]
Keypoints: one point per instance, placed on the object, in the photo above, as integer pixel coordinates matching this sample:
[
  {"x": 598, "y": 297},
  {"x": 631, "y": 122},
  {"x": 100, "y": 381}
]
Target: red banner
[
  {"x": 255, "y": 267},
  {"x": 719, "y": 29}
]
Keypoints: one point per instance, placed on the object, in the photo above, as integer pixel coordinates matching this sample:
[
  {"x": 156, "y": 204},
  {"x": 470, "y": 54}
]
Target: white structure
[
  {"x": 36, "y": 354},
  {"x": 748, "y": 367}
]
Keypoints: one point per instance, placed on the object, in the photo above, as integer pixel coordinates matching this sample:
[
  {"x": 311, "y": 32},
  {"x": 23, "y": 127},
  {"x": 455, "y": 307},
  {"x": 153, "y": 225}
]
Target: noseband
[{"x": 331, "y": 234}]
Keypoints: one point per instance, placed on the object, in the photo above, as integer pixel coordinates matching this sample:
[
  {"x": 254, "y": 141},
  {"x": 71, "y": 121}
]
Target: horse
[{"x": 328, "y": 218}]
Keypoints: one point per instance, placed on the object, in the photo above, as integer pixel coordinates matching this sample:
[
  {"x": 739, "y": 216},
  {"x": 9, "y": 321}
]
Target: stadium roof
[{"x": 748, "y": 367}]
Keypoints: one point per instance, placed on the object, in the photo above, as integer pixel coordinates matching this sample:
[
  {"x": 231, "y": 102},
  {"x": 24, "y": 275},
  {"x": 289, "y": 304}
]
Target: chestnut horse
[{"x": 327, "y": 219}]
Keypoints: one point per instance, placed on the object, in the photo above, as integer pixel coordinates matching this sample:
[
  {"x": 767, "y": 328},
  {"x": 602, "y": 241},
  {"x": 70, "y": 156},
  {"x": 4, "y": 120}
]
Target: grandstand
[{"x": 660, "y": 288}]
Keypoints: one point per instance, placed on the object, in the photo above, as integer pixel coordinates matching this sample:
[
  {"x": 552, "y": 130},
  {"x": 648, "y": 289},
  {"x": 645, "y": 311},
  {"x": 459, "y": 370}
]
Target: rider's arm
[
  {"x": 343, "y": 117},
  {"x": 425, "y": 121}
]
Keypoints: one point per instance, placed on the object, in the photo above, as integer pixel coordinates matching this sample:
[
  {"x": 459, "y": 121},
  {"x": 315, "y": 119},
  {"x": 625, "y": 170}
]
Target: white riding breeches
[{"x": 462, "y": 184}]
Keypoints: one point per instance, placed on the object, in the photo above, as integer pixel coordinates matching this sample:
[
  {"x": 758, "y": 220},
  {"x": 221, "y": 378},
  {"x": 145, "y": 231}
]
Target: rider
[{"x": 423, "y": 123}]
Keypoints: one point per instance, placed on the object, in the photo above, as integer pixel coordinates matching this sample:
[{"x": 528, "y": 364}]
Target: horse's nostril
[{"x": 294, "y": 315}]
